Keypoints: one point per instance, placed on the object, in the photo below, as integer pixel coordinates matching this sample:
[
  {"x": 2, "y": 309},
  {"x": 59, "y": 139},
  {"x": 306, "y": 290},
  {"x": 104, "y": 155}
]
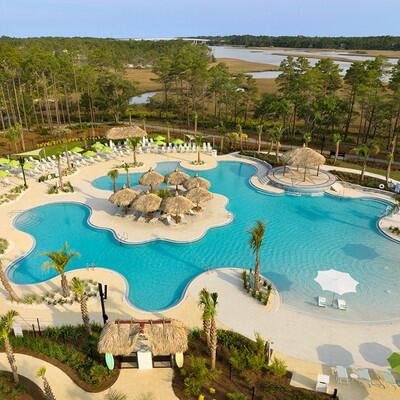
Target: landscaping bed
[
  {"x": 270, "y": 159},
  {"x": 249, "y": 370},
  {"x": 70, "y": 349},
  {"x": 25, "y": 390}
]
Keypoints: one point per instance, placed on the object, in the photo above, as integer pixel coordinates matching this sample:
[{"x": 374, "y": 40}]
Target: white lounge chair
[
  {"x": 363, "y": 376},
  {"x": 321, "y": 301},
  {"x": 341, "y": 304},
  {"x": 322, "y": 383},
  {"x": 386, "y": 377},
  {"x": 341, "y": 374}
]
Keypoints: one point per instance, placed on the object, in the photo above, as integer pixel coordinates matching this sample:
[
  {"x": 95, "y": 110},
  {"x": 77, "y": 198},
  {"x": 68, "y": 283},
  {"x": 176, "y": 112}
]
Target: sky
[{"x": 172, "y": 18}]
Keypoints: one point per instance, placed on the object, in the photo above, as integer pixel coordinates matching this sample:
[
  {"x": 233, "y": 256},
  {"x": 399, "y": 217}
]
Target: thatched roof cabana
[
  {"x": 197, "y": 181},
  {"x": 176, "y": 205},
  {"x": 198, "y": 195},
  {"x": 147, "y": 203},
  {"x": 121, "y": 338},
  {"x": 151, "y": 178},
  {"x": 303, "y": 157},
  {"x": 176, "y": 178},
  {"x": 125, "y": 132},
  {"x": 124, "y": 197}
]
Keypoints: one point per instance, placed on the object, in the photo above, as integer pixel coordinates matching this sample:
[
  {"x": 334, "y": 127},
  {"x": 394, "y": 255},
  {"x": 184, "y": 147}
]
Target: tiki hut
[
  {"x": 176, "y": 205},
  {"x": 151, "y": 178},
  {"x": 198, "y": 195},
  {"x": 303, "y": 157},
  {"x": 176, "y": 178},
  {"x": 147, "y": 203},
  {"x": 197, "y": 181},
  {"x": 124, "y": 198},
  {"x": 125, "y": 132},
  {"x": 161, "y": 337}
]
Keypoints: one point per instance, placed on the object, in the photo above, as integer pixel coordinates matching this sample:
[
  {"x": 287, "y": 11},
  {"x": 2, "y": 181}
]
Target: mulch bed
[
  {"x": 267, "y": 386},
  {"x": 27, "y": 390}
]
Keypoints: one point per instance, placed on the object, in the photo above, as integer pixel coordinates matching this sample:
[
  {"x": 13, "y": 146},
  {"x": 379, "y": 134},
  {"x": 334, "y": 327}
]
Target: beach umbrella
[
  {"x": 4, "y": 161},
  {"x": 159, "y": 142},
  {"x": 13, "y": 163},
  {"x": 176, "y": 205},
  {"x": 147, "y": 203},
  {"x": 4, "y": 173},
  {"x": 159, "y": 138},
  {"x": 198, "y": 195},
  {"x": 97, "y": 146},
  {"x": 151, "y": 178},
  {"x": 197, "y": 181},
  {"x": 105, "y": 149},
  {"x": 394, "y": 362},
  {"x": 124, "y": 198},
  {"x": 125, "y": 132},
  {"x": 176, "y": 178},
  {"x": 336, "y": 281},
  {"x": 178, "y": 141},
  {"x": 77, "y": 149},
  {"x": 89, "y": 153},
  {"x": 28, "y": 165}
]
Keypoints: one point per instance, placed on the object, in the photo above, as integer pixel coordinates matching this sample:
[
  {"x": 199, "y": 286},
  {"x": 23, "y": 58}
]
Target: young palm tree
[
  {"x": 198, "y": 140},
  {"x": 365, "y": 151},
  {"x": 276, "y": 135},
  {"x": 113, "y": 174},
  {"x": 78, "y": 288},
  {"x": 133, "y": 143},
  {"x": 260, "y": 132},
  {"x": 307, "y": 138},
  {"x": 255, "y": 242},
  {"x": 337, "y": 139},
  {"x": 60, "y": 179},
  {"x": 391, "y": 157},
  {"x": 128, "y": 180},
  {"x": 59, "y": 261},
  {"x": 6, "y": 326},
  {"x": 208, "y": 302},
  {"x": 48, "y": 392},
  {"x": 6, "y": 283}
]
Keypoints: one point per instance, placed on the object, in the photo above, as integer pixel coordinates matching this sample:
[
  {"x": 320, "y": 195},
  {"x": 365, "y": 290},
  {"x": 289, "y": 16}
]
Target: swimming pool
[{"x": 304, "y": 234}]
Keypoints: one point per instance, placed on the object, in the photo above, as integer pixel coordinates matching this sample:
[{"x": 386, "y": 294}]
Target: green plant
[
  {"x": 278, "y": 367},
  {"x": 164, "y": 193},
  {"x": 236, "y": 396},
  {"x": 3, "y": 245},
  {"x": 115, "y": 395}
]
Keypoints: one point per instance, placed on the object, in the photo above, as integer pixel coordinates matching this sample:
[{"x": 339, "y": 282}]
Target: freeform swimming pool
[{"x": 304, "y": 234}]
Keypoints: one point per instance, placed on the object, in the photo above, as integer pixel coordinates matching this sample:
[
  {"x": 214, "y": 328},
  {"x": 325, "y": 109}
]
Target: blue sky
[{"x": 169, "y": 18}]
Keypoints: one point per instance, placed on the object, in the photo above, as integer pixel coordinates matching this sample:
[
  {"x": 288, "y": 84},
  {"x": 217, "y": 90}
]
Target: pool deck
[{"x": 307, "y": 343}]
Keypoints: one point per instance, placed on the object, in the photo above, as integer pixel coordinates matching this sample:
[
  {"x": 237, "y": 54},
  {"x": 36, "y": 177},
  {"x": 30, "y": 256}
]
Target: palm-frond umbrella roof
[
  {"x": 197, "y": 181},
  {"x": 303, "y": 157},
  {"x": 121, "y": 338},
  {"x": 198, "y": 195},
  {"x": 176, "y": 177},
  {"x": 151, "y": 178},
  {"x": 176, "y": 205},
  {"x": 125, "y": 132},
  {"x": 124, "y": 197},
  {"x": 147, "y": 203}
]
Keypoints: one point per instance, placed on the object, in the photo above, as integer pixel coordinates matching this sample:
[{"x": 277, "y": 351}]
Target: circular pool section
[{"x": 304, "y": 234}]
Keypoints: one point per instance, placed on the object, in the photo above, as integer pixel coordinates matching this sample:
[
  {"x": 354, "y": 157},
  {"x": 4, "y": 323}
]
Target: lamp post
[
  {"x": 103, "y": 297},
  {"x": 21, "y": 163}
]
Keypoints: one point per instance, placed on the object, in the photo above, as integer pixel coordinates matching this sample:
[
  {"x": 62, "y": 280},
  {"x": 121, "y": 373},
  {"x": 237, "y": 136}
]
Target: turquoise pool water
[{"x": 304, "y": 234}]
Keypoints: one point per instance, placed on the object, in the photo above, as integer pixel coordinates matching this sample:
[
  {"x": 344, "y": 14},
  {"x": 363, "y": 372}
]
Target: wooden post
[{"x": 38, "y": 324}]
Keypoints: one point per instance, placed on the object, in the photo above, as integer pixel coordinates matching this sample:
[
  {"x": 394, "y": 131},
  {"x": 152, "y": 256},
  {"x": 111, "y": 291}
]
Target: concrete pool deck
[{"x": 301, "y": 336}]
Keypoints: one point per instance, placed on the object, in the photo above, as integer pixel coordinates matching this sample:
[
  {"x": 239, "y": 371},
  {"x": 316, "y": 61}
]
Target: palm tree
[
  {"x": 6, "y": 283},
  {"x": 307, "y": 138},
  {"x": 48, "y": 392},
  {"x": 391, "y": 157},
  {"x": 337, "y": 138},
  {"x": 6, "y": 325},
  {"x": 128, "y": 180},
  {"x": 365, "y": 151},
  {"x": 276, "y": 135},
  {"x": 260, "y": 132},
  {"x": 133, "y": 143},
  {"x": 60, "y": 180},
  {"x": 59, "y": 261},
  {"x": 113, "y": 174},
  {"x": 209, "y": 301},
  {"x": 198, "y": 140},
  {"x": 240, "y": 133},
  {"x": 78, "y": 288},
  {"x": 255, "y": 242}
]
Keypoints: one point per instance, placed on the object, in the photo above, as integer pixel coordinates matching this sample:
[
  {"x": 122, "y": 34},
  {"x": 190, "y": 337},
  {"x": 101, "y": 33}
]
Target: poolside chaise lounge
[
  {"x": 321, "y": 301},
  {"x": 386, "y": 377},
  {"x": 341, "y": 304},
  {"x": 322, "y": 383},
  {"x": 341, "y": 374},
  {"x": 363, "y": 376}
]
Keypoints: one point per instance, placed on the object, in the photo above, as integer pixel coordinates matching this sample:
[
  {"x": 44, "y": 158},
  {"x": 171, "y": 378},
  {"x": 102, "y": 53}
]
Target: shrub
[
  {"x": 3, "y": 245},
  {"x": 278, "y": 367}
]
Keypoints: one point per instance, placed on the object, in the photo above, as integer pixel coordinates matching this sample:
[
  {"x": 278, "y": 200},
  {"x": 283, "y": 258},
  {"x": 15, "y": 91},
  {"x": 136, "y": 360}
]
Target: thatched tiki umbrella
[
  {"x": 147, "y": 203},
  {"x": 176, "y": 178},
  {"x": 121, "y": 338},
  {"x": 176, "y": 205},
  {"x": 197, "y": 181},
  {"x": 198, "y": 195},
  {"x": 303, "y": 157},
  {"x": 125, "y": 132},
  {"x": 124, "y": 198},
  {"x": 151, "y": 178}
]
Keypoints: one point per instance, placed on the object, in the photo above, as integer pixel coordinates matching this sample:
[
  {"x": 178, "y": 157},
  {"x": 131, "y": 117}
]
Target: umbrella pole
[
  {"x": 333, "y": 299},
  {"x": 305, "y": 174}
]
